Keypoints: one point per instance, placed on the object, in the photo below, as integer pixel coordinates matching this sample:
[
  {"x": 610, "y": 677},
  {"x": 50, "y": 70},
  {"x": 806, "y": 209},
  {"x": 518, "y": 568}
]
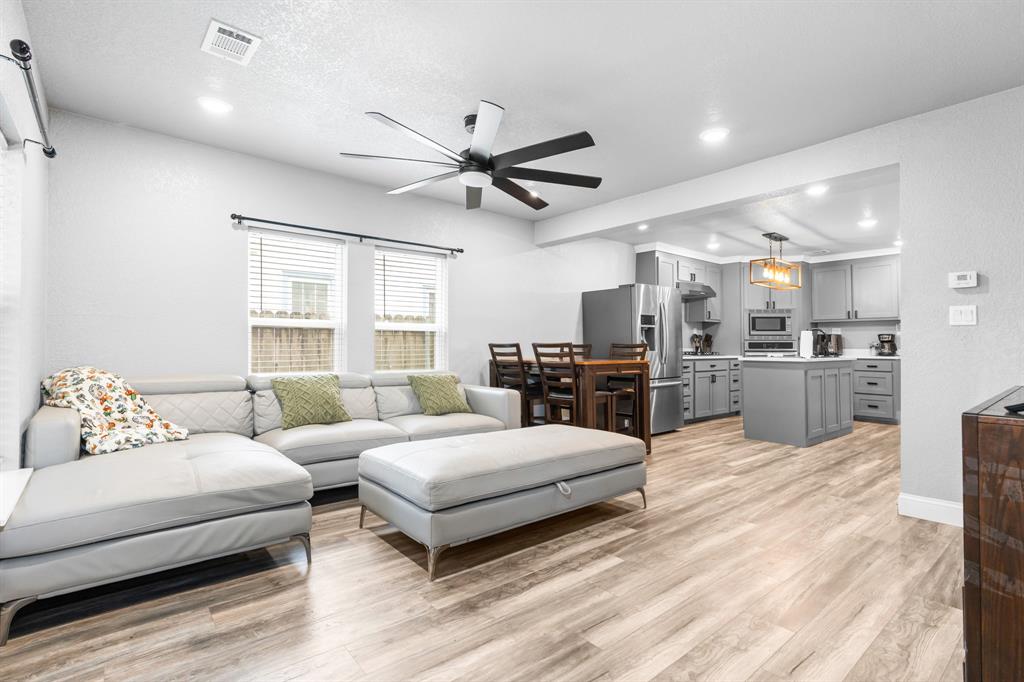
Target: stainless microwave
[{"x": 769, "y": 323}]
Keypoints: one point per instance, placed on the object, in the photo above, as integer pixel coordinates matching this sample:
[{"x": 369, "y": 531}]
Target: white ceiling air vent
[
  {"x": 230, "y": 43},
  {"x": 820, "y": 252}
]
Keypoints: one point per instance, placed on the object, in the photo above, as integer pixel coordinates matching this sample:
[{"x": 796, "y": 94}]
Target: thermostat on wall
[{"x": 963, "y": 280}]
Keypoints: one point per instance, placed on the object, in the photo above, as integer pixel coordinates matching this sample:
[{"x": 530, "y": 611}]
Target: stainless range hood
[{"x": 695, "y": 291}]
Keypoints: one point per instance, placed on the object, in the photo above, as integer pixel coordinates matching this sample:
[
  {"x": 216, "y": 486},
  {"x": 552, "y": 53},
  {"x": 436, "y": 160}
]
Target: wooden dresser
[{"x": 993, "y": 452}]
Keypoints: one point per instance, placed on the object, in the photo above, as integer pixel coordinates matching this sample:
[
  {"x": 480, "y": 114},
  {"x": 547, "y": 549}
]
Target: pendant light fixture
[{"x": 773, "y": 272}]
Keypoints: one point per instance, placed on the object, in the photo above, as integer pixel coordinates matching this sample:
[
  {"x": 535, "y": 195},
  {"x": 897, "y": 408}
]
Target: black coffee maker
[{"x": 887, "y": 344}]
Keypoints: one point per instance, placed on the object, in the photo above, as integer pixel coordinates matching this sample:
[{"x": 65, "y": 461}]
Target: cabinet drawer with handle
[
  {"x": 872, "y": 382},
  {"x": 687, "y": 387},
  {"x": 687, "y": 408},
  {"x": 735, "y": 382},
  {"x": 734, "y": 364},
  {"x": 735, "y": 398},
  {"x": 873, "y": 406},
  {"x": 873, "y": 365},
  {"x": 710, "y": 365}
]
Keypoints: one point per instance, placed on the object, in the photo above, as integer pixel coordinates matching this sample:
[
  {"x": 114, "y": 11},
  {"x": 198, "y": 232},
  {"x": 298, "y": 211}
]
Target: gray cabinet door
[
  {"x": 720, "y": 386},
  {"x": 831, "y": 400},
  {"x": 830, "y": 292},
  {"x": 754, "y": 297},
  {"x": 845, "y": 398},
  {"x": 666, "y": 272},
  {"x": 690, "y": 271},
  {"x": 876, "y": 290},
  {"x": 783, "y": 299},
  {"x": 815, "y": 403},
  {"x": 702, "y": 405},
  {"x": 713, "y": 279}
]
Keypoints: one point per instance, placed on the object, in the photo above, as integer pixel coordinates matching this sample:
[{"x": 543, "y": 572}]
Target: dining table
[{"x": 588, "y": 373}]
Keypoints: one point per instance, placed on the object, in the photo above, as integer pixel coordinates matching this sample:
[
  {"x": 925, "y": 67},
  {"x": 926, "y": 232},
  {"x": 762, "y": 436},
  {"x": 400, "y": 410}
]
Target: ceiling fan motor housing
[
  {"x": 469, "y": 120},
  {"x": 473, "y": 174}
]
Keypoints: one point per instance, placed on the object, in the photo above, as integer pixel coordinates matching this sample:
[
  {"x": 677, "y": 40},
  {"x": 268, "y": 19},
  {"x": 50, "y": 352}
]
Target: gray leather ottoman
[{"x": 449, "y": 491}]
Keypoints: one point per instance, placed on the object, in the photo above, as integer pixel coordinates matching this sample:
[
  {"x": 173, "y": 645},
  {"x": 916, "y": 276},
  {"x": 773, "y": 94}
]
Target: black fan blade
[
  {"x": 553, "y": 177},
  {"x": 542, "y": 150},
  {"x": 373, "y": 157},
  {"x": 519, "y": 192},
  {"x": 473, "y": 195},
  {"x": 424, "y": 183},
  {"x": 422, "y": 139},
  {"x": 488, "y": 118}
]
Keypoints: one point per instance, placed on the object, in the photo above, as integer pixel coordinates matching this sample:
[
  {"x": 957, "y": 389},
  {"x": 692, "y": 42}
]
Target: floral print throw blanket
[{"x": 114, "y": 417}]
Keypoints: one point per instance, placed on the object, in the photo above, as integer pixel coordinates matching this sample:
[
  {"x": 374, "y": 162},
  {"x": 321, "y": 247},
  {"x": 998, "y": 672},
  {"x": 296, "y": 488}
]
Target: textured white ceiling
[
  {"x": 643, "y": 78},
  {"x": 812, "y": 223}
]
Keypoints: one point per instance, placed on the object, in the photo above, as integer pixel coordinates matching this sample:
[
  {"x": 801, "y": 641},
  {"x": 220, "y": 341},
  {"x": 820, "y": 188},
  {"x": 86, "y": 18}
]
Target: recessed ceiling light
[
  {"x": 713, "y": 245},
  {"x": 867, "y": 223},
  {"x": 817, "y": 190},
  {"x": 533, "y": 193},
  {"x": 898, "y": 242},
  {"x": 642, "y": 226},
  {"x": 714, "y": 135},
  {"x": 213, "y": 105}
]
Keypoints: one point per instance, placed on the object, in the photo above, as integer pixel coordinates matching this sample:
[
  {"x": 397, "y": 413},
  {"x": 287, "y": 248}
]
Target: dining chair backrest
[
  {"x": 508, "y": 365},
  {"x": 557, "y": 365},
  {"x": 582, "y": 351},
  {"x": 628, "y": 351}
]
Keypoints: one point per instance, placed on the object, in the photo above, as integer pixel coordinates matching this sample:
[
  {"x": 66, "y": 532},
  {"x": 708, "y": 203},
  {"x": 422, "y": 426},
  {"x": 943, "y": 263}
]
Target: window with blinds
[
  {"x": 295, "y": 303},
  {"x": 410, "y": 301}
]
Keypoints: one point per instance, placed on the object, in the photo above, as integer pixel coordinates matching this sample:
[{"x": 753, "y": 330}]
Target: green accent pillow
[
  {"x": 438, "y": 393},
  {"x": 313, "y": 399}
]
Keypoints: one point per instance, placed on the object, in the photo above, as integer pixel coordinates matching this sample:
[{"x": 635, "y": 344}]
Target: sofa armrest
[
  {"x": 503, "y": 404},
  {"x": 53, "y": 437}
]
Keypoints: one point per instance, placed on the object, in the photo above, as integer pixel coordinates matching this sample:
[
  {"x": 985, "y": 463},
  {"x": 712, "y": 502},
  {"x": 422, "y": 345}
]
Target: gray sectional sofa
[{"x": 238, "y": 483}]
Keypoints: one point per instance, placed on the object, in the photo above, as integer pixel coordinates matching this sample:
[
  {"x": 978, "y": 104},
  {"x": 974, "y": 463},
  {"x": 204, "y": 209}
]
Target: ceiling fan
[{"x": 477, "y": 168}]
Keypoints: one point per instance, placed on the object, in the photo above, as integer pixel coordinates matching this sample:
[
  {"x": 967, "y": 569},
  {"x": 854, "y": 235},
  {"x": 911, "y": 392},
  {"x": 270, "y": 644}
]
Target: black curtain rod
[
  {"x": 238, "y": 218},
  {"x": 22, "y": 57}
]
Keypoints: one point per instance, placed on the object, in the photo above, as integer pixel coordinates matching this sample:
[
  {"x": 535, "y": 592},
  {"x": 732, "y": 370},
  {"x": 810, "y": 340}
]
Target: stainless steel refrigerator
[{"x": 635, "y": 313}]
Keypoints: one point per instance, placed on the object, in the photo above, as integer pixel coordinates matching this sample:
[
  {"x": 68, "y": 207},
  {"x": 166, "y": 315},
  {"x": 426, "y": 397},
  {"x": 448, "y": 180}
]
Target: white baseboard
[{"x": 931, "y": 509}]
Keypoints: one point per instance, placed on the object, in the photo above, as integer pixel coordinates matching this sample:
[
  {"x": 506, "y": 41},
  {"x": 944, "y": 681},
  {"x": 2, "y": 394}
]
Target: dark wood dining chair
[
  {"x": 557, "y": 365},
  {"x": 583, "y": 351},
  {"x": 512, "y": 373},
  {"x": 624, "y": 386}
]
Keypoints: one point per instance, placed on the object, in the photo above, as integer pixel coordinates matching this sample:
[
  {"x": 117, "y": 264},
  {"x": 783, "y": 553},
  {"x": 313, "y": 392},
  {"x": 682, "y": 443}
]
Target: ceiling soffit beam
[{"x": 862, "y": 151}]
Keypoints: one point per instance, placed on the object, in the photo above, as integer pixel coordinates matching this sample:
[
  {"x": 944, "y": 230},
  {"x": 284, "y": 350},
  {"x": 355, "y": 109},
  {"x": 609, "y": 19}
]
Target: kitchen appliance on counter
[
  {"x": 835, "y": 345},
  {"x": 643, "y": 313},
  {"x": 823, "y": 345},
  {"x": 775, "y": 323},
  {"x": 701, "y": 343},
  {"x": 887, "y": 344},
  {"x": 754, "y": 348}
]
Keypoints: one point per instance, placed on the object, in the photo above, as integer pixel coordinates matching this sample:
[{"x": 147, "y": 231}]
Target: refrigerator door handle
[{"x": 656, "y": 384}]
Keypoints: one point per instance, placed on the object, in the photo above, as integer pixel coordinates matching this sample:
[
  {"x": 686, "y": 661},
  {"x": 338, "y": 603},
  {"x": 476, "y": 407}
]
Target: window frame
[
  {"x": 440, "y": 325},
  {"x": 340, "y": 325}
]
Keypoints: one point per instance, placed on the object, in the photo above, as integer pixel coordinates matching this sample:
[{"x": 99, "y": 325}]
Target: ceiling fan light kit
[
  {"x": 476, "y": 167},
  {"x": 773, "y": 272}
]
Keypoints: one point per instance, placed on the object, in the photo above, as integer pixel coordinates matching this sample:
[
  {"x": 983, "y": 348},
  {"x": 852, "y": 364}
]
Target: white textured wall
[
  {"x": 23, "y": 192},
  {"x": 148, "y": 276},
  {"x": 961, "y": 208}
]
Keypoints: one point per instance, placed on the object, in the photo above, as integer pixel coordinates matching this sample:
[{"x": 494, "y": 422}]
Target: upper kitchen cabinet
[
  {"x": 691, "y": 271},
  {"x": 654, "y": 267},
  {"x": 865, "y": 289},
  {"x": 876, "y": 289}
]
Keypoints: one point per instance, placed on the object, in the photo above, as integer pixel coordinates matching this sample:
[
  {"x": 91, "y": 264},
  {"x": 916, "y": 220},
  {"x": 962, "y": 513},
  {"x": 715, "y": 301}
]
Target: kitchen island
[{"x": 797, "y": 401}]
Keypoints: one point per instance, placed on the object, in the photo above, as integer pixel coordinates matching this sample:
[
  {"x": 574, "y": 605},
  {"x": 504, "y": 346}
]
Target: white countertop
[
  {"x": 799, "y": 360},
  {"x": 712, "y": 357}
]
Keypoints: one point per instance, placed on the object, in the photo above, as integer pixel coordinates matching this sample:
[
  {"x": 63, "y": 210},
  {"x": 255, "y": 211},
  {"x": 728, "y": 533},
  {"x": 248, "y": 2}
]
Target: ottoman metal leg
[
  {"x": 7, "y": 611},
  {"x": 432, "y": 554},
  {"x": 362, "y": 515},
  {"x": 643, "y": 494}
]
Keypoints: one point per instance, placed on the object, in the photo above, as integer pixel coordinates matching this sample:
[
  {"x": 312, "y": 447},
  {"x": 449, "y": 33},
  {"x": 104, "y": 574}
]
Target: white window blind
[
  {"x": 410, "y": 300},
  {"x": 295, "y": 303}
]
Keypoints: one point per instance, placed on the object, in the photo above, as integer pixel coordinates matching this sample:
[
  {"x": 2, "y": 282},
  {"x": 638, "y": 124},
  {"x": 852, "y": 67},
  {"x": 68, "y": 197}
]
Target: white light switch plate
[{"x": 963, "y": 315}]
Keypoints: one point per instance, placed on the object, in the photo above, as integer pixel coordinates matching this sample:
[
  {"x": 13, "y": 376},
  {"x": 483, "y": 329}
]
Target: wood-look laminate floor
[{"x": 753, "y": 561}]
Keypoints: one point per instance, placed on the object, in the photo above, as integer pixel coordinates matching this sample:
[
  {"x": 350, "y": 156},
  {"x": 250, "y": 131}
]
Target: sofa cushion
[
  {"x": 439, "y": 394},
  {"x": 150, "y": 488},
  {"x": 214, "y": 412},
  {"x": 439, "y": 474},
  {"x": 324, "y": 442},
  {"x": 395, "y": 396},
  {"x": 310, "y": 399},
  {"x": 357, "y": 395},
  {"x": 423, "y": 426}
]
